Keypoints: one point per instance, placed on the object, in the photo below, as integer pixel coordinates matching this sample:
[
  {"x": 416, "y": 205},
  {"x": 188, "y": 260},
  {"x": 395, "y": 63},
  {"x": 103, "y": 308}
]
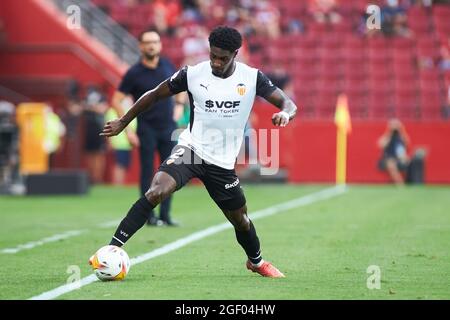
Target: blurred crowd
[
  {"x": 264, "y": 17},
  {"x": 188, "y": 23}
]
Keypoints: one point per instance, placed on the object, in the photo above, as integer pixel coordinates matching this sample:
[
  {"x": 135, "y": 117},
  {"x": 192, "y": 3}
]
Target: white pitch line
[
  {"x": 32, "y": 244},
  {"x": 56, "y": 237},
  {"x": 109, "y": 224},
  {"x": 299, "y": 202}
]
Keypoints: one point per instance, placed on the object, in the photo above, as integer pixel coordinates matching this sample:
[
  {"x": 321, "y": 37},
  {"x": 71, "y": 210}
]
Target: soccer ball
[{"x": 110, "y": 263}]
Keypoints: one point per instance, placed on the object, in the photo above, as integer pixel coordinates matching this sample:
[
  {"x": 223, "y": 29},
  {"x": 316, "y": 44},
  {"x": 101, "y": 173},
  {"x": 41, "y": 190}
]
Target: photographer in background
[{"x": 394, "y": 143}]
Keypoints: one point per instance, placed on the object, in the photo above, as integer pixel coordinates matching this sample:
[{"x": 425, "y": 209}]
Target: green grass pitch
[{"x": 323, "y": 248}]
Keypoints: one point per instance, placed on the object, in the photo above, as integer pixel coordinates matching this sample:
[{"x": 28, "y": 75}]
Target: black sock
[
  {"x": 250, "y": 242},
  {"x": 135, "y": 219}
]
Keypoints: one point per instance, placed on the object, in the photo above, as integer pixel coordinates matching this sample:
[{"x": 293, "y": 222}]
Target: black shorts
[{"x": 223, "y": 185}]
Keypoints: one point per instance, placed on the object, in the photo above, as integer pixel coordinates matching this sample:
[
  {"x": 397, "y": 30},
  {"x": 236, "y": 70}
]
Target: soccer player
[{"x": 221, "y": 94}]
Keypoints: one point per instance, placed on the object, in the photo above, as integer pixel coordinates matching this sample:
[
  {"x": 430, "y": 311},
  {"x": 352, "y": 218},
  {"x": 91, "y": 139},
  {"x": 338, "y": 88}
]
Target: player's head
[
  {"x": 150, "y": 44},
  {"x": 224, "y": 43}
]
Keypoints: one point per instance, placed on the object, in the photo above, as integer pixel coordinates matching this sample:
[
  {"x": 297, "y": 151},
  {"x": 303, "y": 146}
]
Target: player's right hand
[{"x": 112, "y": 128}]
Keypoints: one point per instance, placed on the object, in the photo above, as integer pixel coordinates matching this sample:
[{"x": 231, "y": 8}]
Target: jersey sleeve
[
  {"x": 264, "y": 87},
  {"x": 126, "y": 85},
  {"x": 178, "y": 82}
]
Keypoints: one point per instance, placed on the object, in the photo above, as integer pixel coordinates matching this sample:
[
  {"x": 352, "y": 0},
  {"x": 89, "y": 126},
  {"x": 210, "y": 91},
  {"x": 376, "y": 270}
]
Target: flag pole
[
  {"x": 341, "y": 155},
  {"x": 343, "y": 127}
]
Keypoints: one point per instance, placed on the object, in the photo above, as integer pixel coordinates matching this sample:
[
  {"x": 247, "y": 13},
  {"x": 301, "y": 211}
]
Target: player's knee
[
  {"x": 156, "y": 194},
  {"x": 239, "y": 219},
  {"x": 244, "y": 224},
  {"x": 162, "y": 187}
]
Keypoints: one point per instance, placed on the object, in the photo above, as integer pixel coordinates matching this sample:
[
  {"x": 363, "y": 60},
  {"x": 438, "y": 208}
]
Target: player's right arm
[
  {"x": 145, "y": 102},
  {"x": 176, "y": 84}
]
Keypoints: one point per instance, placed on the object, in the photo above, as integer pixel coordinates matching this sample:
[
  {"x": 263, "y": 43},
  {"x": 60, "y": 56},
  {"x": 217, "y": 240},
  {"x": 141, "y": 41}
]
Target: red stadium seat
[
  {"x": 431, "y": 107},
  {"x": 379, "y": 109},
  {"x": 403, "y": 44},
  {"x": 406, "y": 105},
  {"x": 378, "y": 74},
  {"x": 357, "y": 106},
  {"x": 354, "y": 42}
]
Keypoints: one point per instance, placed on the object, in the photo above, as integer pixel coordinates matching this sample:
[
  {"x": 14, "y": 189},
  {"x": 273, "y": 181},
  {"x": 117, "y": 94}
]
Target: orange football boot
[{"x": 266, "y": 270}]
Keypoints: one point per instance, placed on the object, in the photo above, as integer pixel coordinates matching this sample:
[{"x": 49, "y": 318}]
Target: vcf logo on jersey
[
  {"x": 241, "y": 89},
  {"x": 222, "y": 108}
]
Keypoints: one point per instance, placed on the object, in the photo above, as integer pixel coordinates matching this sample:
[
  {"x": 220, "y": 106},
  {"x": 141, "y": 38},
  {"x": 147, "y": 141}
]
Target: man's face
[
  {"x": 150, "y": 45},
  {"x": 221, "y": 60}
]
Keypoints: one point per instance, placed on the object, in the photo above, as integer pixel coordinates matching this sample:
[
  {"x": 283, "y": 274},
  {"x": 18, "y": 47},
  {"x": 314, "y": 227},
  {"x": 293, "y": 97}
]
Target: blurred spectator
[
  {"x": 94, "y": 145},
  {"x": 266, "y": 18},
  {"x": 195, "y": 45},
  {"x": 394, "y": 143},
  {"x": 73, "y": 145},
  {"x": 166, "y": 16},
  {"x": 192, "y": 11},
  {"x": 324, "y": 11},
  {"x": 54, "y": 133},
  {"x": 295, "y": 26},
  {"x": 10, "y": 181},
  {"x": 243, "y": 53},
  {"x": 281, "y": 78},
  {"x": 444, "y": 63},
  {"x": 362, "y": 28},
  {"x": 212, "y": 12},
  {"x": 120, "y": 144},
  {"x": 394, "y": 21}
]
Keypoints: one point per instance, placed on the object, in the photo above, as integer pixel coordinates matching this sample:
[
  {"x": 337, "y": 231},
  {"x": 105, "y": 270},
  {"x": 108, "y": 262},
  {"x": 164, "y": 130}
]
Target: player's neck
[
  {"x": 151, "y": 63},
  {"x": 230, "y": 71}
]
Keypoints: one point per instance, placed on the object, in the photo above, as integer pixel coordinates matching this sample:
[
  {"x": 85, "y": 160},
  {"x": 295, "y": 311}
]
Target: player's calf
[
  {"x": 162, "y": 186},
  {"x": 136, "y": 217}
]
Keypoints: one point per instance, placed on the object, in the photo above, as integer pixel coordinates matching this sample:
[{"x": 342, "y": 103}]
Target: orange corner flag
[
  {"x": 342, "y": 115},
  {"x": 344, "y": 127}
]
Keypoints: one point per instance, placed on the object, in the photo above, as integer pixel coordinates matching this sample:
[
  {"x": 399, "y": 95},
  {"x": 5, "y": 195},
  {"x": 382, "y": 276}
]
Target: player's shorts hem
[
  {"x": 232, "y": 204},
  {"x": 174, "y": 174}
]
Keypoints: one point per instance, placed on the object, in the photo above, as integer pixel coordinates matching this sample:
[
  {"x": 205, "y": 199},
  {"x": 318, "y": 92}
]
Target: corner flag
[{"x": 344, "y": 127}]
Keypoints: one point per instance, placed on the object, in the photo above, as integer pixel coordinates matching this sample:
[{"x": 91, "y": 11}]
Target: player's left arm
[
  {"x": 288, "y": 108},
  {"x": 266, "y": 89}
]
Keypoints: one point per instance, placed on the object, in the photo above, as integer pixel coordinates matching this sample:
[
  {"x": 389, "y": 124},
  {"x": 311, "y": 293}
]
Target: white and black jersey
[{"x": 219, "y": 109}]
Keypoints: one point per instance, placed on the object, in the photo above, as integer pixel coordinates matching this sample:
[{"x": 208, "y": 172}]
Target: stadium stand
[
  {"x": 330, "y": 56},
  {"x": 324, "y": 45},
  {"x": 402, "y": 71}
]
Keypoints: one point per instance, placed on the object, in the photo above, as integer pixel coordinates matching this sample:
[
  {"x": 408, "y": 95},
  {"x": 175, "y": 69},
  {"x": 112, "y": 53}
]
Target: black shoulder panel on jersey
[
  {"x": 264, "y": 87},
  {"x": 178, "y": 82}
]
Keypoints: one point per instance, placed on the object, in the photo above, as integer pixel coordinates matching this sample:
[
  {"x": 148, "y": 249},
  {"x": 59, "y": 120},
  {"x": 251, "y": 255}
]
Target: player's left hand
[{"x": 280, "y": 119}]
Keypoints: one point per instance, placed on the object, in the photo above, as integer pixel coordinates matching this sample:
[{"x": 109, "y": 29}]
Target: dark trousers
[{"x": 152, "y": 139}]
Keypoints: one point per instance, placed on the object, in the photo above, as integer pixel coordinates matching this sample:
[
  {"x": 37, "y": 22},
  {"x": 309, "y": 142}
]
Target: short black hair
[
  {"x": 150, "y": 29},
  {"x": 225, "y": 38}
]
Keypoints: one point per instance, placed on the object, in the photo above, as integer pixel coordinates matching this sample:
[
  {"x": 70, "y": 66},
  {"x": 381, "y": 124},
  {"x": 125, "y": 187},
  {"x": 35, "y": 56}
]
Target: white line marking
[
  {"x": 109, "y": 224},
  {"x": 32, "y": 244},
  {"x": 56, "y": 237},
  {"x": 299, "y": 202}
]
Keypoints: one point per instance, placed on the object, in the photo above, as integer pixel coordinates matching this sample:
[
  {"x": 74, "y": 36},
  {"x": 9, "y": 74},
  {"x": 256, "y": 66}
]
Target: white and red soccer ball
[{"x": 110, "y": 263}]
